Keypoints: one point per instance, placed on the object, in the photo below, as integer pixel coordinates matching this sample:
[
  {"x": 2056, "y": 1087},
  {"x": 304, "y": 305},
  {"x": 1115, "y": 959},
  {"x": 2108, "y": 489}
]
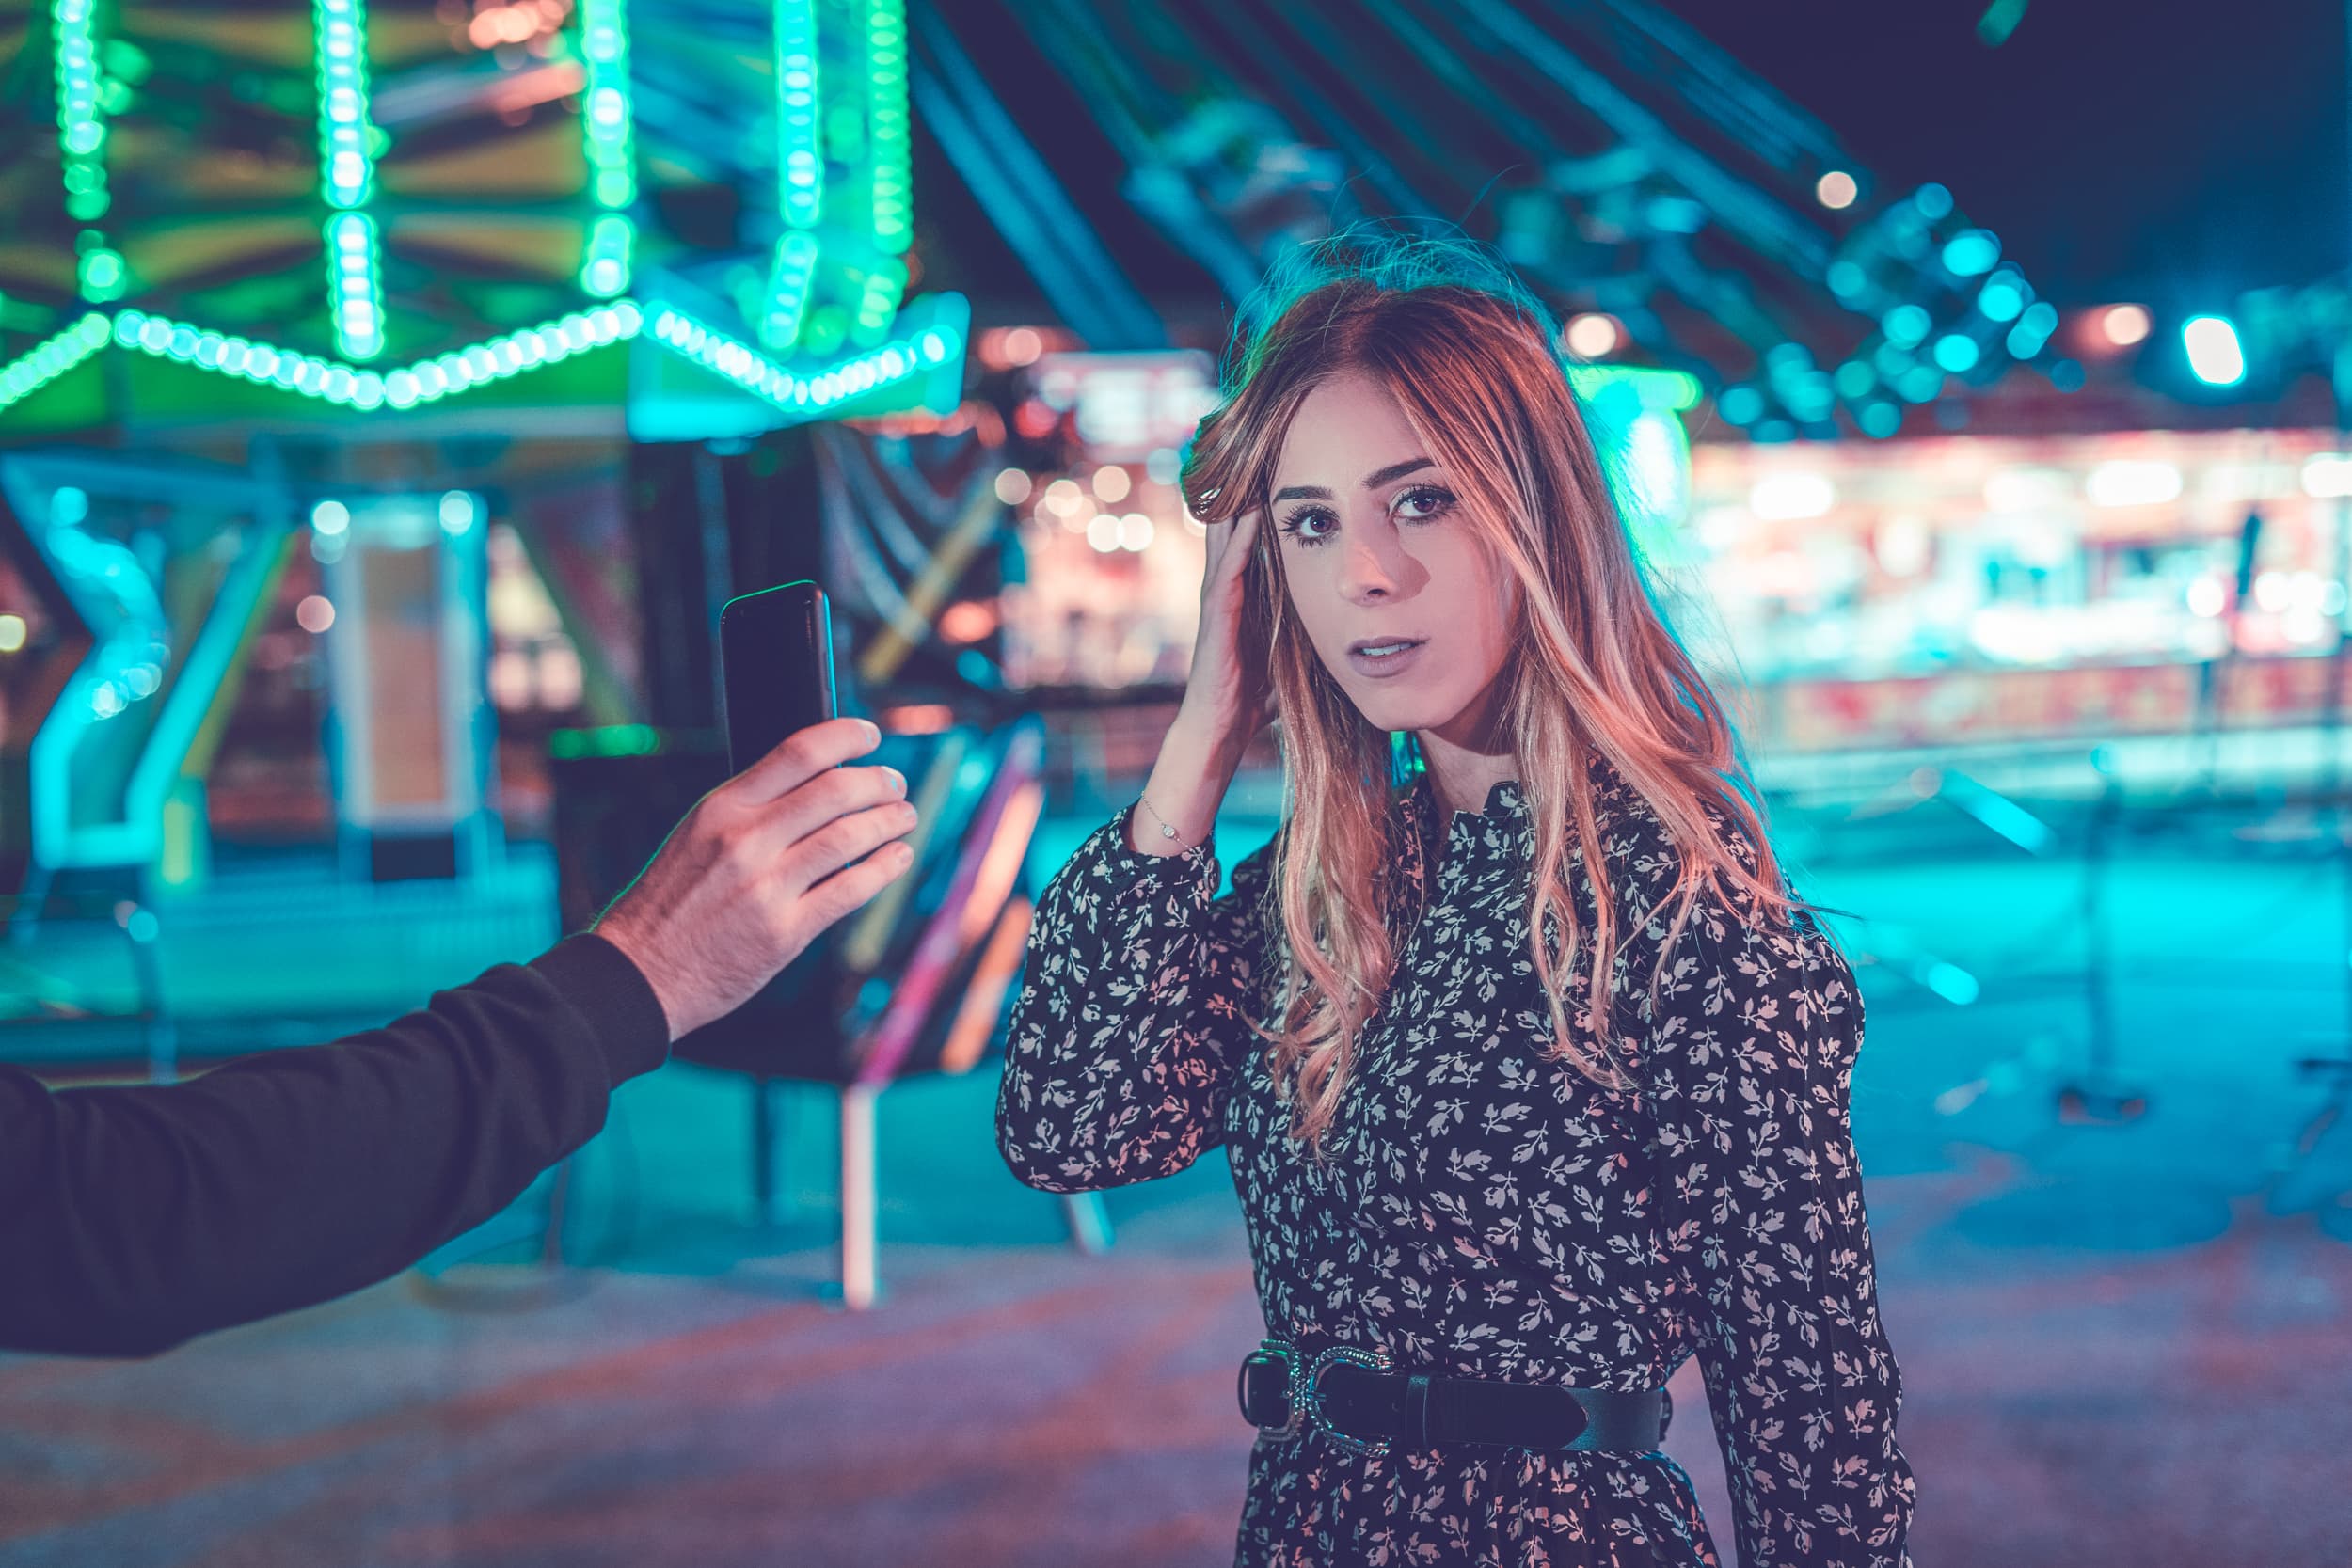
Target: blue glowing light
[
  {"x": 1906, "y": 324},
  {"x": 1971, "y": 252},
  {"x": 2002, "y": 298},
  {"x": 1921, "y": 384},
  {"x": 1955, "y": 352},
  {"x": 1740, "y": 404},
  {"x": 1880, "y": 419},
  {"x": 2215, "y": 354}
]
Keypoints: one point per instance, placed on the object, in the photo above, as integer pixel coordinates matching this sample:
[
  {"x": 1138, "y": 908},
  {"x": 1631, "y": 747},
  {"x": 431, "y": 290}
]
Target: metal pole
[{"x": 857, "y": 1197}]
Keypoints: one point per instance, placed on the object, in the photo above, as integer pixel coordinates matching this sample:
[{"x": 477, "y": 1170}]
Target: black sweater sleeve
[{"x": 133, "y": 1218}]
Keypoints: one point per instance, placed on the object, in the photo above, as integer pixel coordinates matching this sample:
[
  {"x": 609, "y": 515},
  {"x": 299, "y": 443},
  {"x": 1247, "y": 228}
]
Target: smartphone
[{"x": 775, "y": 664}]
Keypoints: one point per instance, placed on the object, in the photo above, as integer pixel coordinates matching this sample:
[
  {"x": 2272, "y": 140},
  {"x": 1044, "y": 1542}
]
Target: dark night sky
[
  {"x": 2176, "y": 151},
  {"x": 2173, "y": 151}
]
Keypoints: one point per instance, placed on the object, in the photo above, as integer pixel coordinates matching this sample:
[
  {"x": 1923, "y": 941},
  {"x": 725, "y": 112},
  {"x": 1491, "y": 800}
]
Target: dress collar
[{"x": 1499, "y": 830}]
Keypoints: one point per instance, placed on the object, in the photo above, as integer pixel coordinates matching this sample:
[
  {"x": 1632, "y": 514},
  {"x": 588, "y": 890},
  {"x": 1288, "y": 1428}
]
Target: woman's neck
[{"x": 1464, "y": 774}]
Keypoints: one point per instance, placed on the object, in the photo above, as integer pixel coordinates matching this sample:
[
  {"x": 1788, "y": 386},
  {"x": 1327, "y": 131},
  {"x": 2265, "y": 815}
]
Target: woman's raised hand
[
  {"x": 1226, "y": 704},
  {"x": 1226, "y": 697}
]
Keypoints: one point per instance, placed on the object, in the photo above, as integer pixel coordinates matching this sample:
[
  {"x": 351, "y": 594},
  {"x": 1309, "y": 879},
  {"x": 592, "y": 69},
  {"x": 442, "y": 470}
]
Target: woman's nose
[{"x": 1363, "y": 576}]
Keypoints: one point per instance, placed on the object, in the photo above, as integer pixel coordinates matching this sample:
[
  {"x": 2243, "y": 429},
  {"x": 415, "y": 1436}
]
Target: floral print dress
[{"x": 1484, "y": 1210}]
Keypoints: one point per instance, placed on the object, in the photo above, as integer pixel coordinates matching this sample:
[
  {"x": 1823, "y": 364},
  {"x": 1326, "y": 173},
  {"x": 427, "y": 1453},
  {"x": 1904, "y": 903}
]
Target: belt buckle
[
  {"x": 1310, "y": 1396},
  {"x": 1282, "y": 1354},
  {"x": 1303, "y": 1391}
]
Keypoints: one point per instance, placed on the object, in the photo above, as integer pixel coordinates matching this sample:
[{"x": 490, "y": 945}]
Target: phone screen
[{"x": 775, "y": 653}]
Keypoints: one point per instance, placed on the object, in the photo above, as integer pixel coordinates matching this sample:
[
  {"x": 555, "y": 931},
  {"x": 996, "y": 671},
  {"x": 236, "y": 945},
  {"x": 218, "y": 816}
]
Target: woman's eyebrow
[{"x": 1371, "y": 481}]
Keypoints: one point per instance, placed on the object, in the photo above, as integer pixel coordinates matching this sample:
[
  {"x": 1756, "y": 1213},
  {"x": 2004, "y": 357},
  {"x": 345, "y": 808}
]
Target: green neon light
[
  {"x": 799, "y": 158},
  {"x": 756, "y": 372},
  {"x": 355, "y": 289},
  {"x": 889, "y": 151},
  {"x": 346, "y": 162},
  {"x": 493, "y": 360},
  {"x": 101, "y": 272},
  {"x": 877, "y": 300},
  {"x": 426, "y": 381},
  {"x": 789, "y": 282},
  {"x": 81, "y": 119},
  {"x": 608, "y": 116},
  {"x": 610, "y": 740},
  {"x": 604, "y": 270},
  {"x": 1669, "y": 391},
  {"x": 260, "y": 363},
  {"x": 47, "y": 361}
]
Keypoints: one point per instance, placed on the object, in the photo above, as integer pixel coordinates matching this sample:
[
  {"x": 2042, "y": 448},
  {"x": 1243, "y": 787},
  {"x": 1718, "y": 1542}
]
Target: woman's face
[{"x": 1401, "y": 601}]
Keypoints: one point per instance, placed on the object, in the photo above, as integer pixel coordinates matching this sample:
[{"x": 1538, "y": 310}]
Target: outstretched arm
[{"x": 134, "y": 1218}]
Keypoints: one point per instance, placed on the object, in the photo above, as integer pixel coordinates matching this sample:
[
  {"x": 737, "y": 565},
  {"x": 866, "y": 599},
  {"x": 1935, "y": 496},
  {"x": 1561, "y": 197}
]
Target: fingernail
[
  {"x": 873, "y": 731},
  {"x": 897, "y": 781}
]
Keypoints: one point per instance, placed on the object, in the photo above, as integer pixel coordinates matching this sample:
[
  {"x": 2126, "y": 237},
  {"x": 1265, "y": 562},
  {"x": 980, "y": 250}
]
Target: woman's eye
[
  {"x": 1423, "y": 503},
  {"x": 1311, "y": 525}
]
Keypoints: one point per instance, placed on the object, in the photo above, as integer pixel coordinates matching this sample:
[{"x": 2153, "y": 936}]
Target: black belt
[{"x": 1351, "y": 1395}]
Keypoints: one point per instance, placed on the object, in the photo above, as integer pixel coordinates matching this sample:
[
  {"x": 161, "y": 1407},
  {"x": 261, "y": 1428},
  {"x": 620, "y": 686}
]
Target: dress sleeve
[
  {"x": 1133, "y": 1012},
  {"x": 1745, "y": 1061}
]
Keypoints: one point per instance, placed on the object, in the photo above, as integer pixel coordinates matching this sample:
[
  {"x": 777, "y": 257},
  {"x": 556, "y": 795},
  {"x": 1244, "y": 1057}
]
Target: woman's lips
[{"x": 1385, "y": 666}]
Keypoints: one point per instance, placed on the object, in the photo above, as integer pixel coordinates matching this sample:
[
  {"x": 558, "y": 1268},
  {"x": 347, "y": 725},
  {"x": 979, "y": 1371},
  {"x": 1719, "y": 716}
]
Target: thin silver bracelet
[{"x": 1166, "y": 831}]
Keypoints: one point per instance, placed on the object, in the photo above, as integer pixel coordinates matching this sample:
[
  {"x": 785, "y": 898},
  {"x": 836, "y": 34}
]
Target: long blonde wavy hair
[{"x": 1470, "y": 355}]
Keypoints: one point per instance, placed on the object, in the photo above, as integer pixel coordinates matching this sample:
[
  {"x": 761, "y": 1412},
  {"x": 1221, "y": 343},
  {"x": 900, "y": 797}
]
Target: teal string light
[
  {"x": 608, "y": 112},
  {"x": 808, "y": 394},
  {"x": 347, "y": 163},
  {"x": 790, "y": 283},
  {"x": 752, "y": 371},
  {"x": 604, "y": 270},
  {"x": 354, "y": 285},
  {"x": 101, "y": 272},
  {"x": 51, "y": 357},
  {"x": 800, "y": 156},
  {"x": 266, "y": 364},
  {"x": 877, "y": 300},
  {"x": 80, "y": 118},
  {"x": 889, "y": 145}
]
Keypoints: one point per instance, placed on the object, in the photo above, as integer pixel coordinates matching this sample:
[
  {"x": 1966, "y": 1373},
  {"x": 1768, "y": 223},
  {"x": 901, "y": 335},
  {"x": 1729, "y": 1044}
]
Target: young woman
[{"x": 1532, "y": 1070}]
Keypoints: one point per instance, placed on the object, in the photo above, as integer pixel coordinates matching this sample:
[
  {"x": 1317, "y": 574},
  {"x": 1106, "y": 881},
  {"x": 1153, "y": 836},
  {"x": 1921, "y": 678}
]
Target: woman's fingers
[{"x": 1221, "y": 578}]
